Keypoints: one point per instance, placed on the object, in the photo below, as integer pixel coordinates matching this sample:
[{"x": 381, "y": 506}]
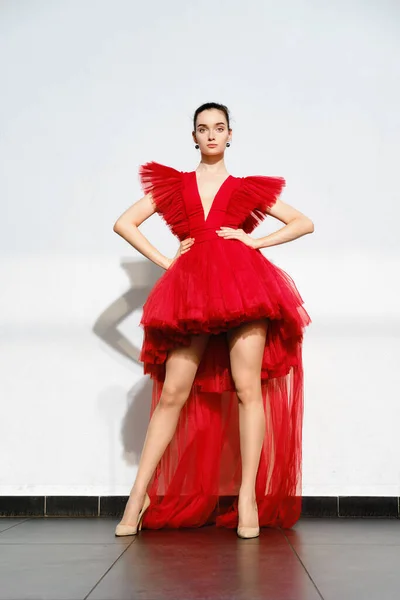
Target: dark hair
[{"x": 207, "y": 106}]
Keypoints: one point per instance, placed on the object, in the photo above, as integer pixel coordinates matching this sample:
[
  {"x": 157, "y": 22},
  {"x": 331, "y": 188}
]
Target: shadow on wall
[{"x": 142, "y": 277}]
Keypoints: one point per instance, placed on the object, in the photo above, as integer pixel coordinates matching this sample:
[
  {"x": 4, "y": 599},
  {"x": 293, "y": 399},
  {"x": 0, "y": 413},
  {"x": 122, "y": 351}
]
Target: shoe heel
[
  {"x": 140, "y": 523},
  {"x": 146, "y": 505},
  {"x": 122, "y": 530}
]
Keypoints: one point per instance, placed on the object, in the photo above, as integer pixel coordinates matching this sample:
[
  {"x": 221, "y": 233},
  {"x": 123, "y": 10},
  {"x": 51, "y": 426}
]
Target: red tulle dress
[{"x": 219, "y": 284}]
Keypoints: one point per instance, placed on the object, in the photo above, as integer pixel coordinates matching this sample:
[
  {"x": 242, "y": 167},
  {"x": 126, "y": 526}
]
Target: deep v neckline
[{"x": 205, "y": 218}]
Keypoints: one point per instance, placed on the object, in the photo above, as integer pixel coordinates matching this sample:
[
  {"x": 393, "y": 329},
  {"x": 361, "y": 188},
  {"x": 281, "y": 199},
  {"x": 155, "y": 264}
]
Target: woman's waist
[
  {"x": 210, "y": 247},
  {"x": 204, "y": 235}
]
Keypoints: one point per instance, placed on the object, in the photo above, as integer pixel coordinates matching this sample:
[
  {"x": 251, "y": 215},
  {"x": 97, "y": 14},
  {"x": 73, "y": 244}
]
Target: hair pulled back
[{"x": 207, "y": 106}]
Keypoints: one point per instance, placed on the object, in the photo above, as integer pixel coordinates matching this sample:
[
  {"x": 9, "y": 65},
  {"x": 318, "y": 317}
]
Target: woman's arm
[
  {"x": 127, "y": 227},
  {"x": 296, "y": 225}
]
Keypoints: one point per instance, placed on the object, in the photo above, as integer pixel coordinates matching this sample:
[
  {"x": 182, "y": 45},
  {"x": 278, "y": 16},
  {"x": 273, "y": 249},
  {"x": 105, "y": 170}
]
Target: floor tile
[
  {"x": 8, "y": 522},
  {"x": 345, "y": 531},
  {"x": 216, "y": 565},
  {"x": 318, "y": 559},
  {"x": 53, "y": 530},
  {"x": 353, "y": 571},
  {"x": 53, "y": 571}
]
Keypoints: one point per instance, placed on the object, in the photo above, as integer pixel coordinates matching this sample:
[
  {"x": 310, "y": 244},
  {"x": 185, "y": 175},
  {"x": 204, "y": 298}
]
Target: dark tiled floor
[{"x": 79, "y": 558}]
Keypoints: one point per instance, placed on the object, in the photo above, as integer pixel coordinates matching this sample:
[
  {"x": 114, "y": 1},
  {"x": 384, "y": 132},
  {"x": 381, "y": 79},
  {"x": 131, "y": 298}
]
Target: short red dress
[{"x": 219, "y": 284}]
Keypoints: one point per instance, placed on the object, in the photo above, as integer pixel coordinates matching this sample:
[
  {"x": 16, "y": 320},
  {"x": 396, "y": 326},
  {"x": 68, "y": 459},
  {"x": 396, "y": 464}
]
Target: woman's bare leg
[
  {"x": 246, "y": 344},
  {"x": 181, "y": 367}
]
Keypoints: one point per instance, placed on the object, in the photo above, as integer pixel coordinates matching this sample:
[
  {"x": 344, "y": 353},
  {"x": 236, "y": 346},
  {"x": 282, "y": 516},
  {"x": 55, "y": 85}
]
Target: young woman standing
[{"x": 223, "y": 330}]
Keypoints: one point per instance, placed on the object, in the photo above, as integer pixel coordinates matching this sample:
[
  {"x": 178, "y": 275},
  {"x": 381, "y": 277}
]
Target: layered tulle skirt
[{"x": 214, "y": 287}]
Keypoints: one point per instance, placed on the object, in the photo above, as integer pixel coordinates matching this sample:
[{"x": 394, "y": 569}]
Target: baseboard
[{"x": 110, "y": 506}]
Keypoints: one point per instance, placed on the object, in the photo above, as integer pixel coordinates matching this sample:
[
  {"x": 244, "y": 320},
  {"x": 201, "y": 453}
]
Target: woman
[{"x": 223, "y": 331}]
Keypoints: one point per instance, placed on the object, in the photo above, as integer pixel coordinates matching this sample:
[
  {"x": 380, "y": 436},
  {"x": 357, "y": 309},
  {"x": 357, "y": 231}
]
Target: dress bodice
[
  {"x": 201, "y": 227},
  {"x": 240, "y": 202}
]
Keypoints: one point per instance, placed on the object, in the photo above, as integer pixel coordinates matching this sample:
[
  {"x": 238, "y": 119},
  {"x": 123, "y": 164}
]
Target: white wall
[{"x": 92, "y": 89}]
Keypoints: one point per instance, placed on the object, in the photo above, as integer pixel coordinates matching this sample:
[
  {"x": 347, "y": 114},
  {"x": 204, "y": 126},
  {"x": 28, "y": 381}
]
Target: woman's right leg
[{"x": 181, "y": 367}]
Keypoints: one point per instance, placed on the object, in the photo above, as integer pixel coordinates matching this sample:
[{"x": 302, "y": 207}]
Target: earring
[
  {"x": 228, "y": 144},
  {"x": 196, "y": 146}
]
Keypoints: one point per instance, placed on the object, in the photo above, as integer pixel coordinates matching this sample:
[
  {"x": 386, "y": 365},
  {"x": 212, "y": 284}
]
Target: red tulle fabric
[{"x": 219, "y": 284}]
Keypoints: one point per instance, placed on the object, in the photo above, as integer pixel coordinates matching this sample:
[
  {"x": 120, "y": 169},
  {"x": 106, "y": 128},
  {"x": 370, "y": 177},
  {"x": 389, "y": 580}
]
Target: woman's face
[{"x": 212, "y": 131}]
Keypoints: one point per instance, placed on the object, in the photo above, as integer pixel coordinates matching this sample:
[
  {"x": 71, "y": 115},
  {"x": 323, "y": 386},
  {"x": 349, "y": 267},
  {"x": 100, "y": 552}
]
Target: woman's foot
[
  {"x": 133, "y": 507},
  {"x": 248, "y": 525}
]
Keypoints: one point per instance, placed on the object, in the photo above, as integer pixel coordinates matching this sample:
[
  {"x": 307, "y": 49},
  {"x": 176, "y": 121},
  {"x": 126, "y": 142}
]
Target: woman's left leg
[{"x": 246, "y": 348}]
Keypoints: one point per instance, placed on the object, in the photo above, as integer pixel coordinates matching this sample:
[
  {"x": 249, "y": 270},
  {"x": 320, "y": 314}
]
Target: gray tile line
[
  {"x": 15, "y": 525},
  {"x": 303, "y": 565},
  {"x": 108, "y": 570}
]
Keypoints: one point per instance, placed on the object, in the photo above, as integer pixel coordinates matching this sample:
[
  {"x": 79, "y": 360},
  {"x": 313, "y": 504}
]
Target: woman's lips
[{"x": 212, "y": 145}]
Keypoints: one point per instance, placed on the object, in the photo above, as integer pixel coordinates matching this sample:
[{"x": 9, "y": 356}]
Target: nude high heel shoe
[
  {"x": 121, "y": 530},
  {"x": 248, "y": 532}
]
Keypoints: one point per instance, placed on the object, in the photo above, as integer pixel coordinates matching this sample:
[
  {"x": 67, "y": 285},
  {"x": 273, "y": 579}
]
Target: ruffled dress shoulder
[
  {"x": 165, "y": 184},
  {"x": 250, "y": 199}
]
